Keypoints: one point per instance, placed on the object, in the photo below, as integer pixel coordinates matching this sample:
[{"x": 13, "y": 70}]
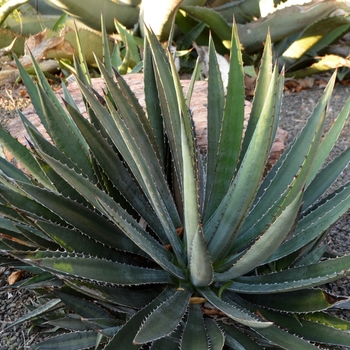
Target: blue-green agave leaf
[
  {"x": 312, "y": 330},
  {"x": 69, "y": 323},
  {"x": 121, "y": 89},
  {"x": 32, "y": 91},
  {"x": 105, "y": 329},
  {"x": 51, "y": 96},
  {"x": 24, "y": 157},
  {"x": 153, "y": 108},
  {"x": 301, "y": 301},
  {"x": 81, "y": 55},
  {"x": 69, "y": 341},
  {"x": 316, "y": 222},
  {"x": 12, "y": 172},
  {"x": 95, "y": 269},
  {"x": 42, "y": 280},
  {"x": 276, "y": 183},
  {"x": 165, "y": 343},
  {"x": 260, "y": 93},
  {"x": 329, "y": 140},
  {"x": 119, "y": 296},
  {"x": 124, "y": 338},
  {"x": 82, "y": 307},
  {"x": 80, "y": 217},
  {"x": 225, "y": 122},
  {"x": 80, "y": 71},
  {"x": 121, "y": 179},
  {"x": 194, "y": 335},
  {"x": 201, "y": 268},
  {"x": 52, "y": 304},
  {"x": 315, "y": 255},
  {"x": 324, "y": 179},
  {"x": 145, "y": 241},
  {"x": 129, "y": 41},
  {"x": 266, "y": 244},
  {"x": 285, "y": 340},
  {"x": 57, "y": 181},
  {"x": 216, "y": 336},
  {"x": 199, "y": 260},
  {"x": 294, "y": 278},
  {"x": 168, "y": 101},
  {"x": 216, "y": 103},
  {"x": 214, "y": 20},
  {"x": 68, "y": 97},
  {"x": 233, "y": 209},
  {"x": 105, "y": 47},
  {"x": 27, "y": 206},
  {"x": 165, "y": 318},
  {"x": 37, "y": 237},
  {"x": 70, "y": 146},
  {"x": 73, "y": 240},
  {"x": 190, "y": 171},
  {"x": 328, "y": 319},
  {"x": 14, "y": 234},
  {"x": 194, "y": 77},
  {"x": 150, "y": 188},
  {"x": 237, "y": 339},
  {"x": 233, "y": 310}
]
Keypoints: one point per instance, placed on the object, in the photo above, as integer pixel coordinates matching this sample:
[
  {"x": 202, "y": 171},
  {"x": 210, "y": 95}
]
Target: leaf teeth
[
  {"x": 61, "y": 264},
  {"x": 211, "y": 341},
  {"x": 159, "y": 323}
]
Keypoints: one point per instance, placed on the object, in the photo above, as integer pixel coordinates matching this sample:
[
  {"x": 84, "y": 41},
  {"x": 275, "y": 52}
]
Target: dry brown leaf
[
  {"x": 15, "y": 277},
  {"x": 292, "y": 85},
  {"x": 42, "y": 47}
]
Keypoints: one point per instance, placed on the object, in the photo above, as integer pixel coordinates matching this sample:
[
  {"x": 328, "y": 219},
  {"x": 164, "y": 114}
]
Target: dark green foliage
[{"x": 137, "y": 239}]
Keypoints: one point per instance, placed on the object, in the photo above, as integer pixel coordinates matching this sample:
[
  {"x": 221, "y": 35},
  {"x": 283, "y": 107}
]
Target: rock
[{"x": 135, "y": 81}]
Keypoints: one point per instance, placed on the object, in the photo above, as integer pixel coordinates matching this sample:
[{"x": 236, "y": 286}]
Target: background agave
[
  {"x": 137, "y": 239},
  {"x": 306, "y": 36}
]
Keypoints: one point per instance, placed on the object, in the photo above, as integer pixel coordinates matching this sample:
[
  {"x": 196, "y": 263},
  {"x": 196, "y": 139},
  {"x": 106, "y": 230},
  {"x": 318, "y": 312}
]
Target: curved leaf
[
  {"x": 316, "y": 222},
  {"x": 266, "y": 244},
  {"x": 194, "y": 335},
  {"x": 82, "y": 218},
  {"x": 24, "y": 157},
  {"x": 228, "y": 118},
  {"x": 69, "y": 341},
  {"x": 282, "y": 175},
  {"x": 145, "y": 241},
  {"x": 214, "y": 20},
  {"x": 115, "y": 169},
  {"x": 313, "y": 331},
  {"x": 233, "y": 209},
  {"x": 234, "y": 311},
  {"x": 137, "y": 298},
  {"x": 216, "y": 336},
  {"x": 124, "y": 338},
  {"x": 301, "y": 301},
  {"x": 294, "y": 278},
  {"x": 164, "y": 319},
  {"x": 95, "y": 269}
]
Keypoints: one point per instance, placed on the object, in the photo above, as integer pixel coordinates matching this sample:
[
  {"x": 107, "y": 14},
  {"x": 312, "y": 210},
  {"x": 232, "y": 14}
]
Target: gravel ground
[
  {"x": 13, "y": 301},
  {"x": 295, "y": 110}
]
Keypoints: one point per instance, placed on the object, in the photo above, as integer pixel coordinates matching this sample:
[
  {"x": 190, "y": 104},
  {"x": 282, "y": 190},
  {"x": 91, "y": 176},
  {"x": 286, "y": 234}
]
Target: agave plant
[
  {"x": 138, "y": 240},
  {"x": 306, "y": 37}
]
